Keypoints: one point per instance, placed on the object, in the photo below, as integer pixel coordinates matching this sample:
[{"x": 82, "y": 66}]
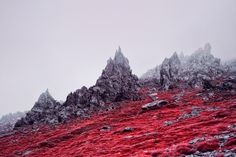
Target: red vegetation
[
  {"x": 191, "y": 122},
  {"x": 208, "y": 146}
]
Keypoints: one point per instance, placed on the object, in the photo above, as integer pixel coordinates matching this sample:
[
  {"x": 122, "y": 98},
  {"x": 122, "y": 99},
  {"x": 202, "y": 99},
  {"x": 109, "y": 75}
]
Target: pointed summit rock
[
  {"x": 117, "y": 80},
  {"x": 207, "y": 48},
  {"x": 45, "y": 101},
  {"x": 116, "y": 83},
  {"x": 121, "y": 59},
  {"x": 45, "y": 98},
  {"x": 118, "y": 62},
  {"x": 43, "y": 111}
]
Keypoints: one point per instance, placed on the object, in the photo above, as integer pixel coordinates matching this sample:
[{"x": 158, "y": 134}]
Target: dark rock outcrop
[
  {"x": 44, "y": 110},
  {"x": 117, "y": 83}
]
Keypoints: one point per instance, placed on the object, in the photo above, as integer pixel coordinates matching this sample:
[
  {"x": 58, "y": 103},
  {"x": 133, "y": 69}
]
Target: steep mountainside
[
  {"x": 194, "y": 123},
  {"x": 188, "y": 109}
]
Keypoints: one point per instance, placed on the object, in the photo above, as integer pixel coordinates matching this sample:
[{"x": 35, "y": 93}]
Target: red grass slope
[{"x": 191, "y": 122}]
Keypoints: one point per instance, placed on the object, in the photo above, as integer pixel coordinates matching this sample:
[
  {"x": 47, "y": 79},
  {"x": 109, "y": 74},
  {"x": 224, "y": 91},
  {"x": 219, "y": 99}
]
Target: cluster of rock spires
[
  {"x": 116, "y": 83},
  {"x": 193, "y": 70}
]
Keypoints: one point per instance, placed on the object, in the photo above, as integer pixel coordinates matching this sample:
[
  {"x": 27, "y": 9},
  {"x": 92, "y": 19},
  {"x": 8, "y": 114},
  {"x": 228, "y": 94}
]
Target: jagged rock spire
[
  {"x": 207, "y": 48},
  {"x": 45, "y": 96},
  {"x": 116, "y": 83},
  {"x": 44, "y": 110},
  {"x": 169, "y": 71},
  {"x": 120, "y": 58}
]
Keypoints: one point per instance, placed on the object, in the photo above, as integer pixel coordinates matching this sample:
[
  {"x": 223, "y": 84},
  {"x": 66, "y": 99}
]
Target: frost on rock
[
  {"x": 170, "y": 71},
  {"x": 121, "y": 59},
  {"x": 8, "y": 121},
  {"x": 192, "y": 70},
  {"x": 45, "y": 101},
  {"x": 231, "y": 66},
  {"x": 201, "y": 65},
  {"x": 45, "y": 97},
  {"x": 152, "y": 73}
]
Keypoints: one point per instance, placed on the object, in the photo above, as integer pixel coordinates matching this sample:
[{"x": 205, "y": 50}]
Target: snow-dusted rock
[
  {"x": 201, "y": 65},
  {"x": 169, "y": 72},
  {"x": 8, "y": 121},
  {"x": 190, "y": 70},
  {"x": 154, "y": 105}
]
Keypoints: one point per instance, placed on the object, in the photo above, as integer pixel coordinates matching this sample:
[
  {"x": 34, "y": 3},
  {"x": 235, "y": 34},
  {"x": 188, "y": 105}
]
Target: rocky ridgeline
[
  {"x": 117, "y": 83},
  {"x": 44, "y": 110},
  {"x": 191, "y": 70}
]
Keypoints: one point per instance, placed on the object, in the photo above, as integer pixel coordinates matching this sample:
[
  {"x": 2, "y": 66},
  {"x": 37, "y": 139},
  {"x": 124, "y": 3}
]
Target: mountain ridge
[
  {"x": 188, "y": 109},
  {"x": 115, "y": 84}
]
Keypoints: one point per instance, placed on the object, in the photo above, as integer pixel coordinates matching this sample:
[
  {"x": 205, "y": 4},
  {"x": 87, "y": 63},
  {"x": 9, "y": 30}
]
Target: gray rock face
[
  {"x": 201, "y": 65},
  {"x": 116, "y": 83},
  {"x": 44, "y": 110},
  {"x": 154, "y": 105},
  {"x": 169, "y": 71},
  {"x": 191, "y": 70}
]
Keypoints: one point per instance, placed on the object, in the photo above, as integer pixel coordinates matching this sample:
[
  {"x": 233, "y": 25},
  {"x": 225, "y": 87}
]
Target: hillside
[
  {"x": 187, "y": 107},
  {"x": 193, "y": 122}
]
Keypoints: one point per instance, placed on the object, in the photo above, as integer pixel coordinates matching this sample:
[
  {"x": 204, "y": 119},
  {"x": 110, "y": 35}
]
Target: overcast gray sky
[{"x": 63, "y": 45}]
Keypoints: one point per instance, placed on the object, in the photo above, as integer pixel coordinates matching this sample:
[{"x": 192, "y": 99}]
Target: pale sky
[{"x": 64, "y": 44}]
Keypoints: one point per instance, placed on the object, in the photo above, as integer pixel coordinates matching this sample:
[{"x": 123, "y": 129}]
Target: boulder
[{"x": 154, "y": 105}]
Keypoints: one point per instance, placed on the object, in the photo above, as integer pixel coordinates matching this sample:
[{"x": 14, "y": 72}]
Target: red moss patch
[
  {"x": 208, "y": 146},
  {"x": 231, "y": 142},
  {"x": 185, "y": 149}
]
